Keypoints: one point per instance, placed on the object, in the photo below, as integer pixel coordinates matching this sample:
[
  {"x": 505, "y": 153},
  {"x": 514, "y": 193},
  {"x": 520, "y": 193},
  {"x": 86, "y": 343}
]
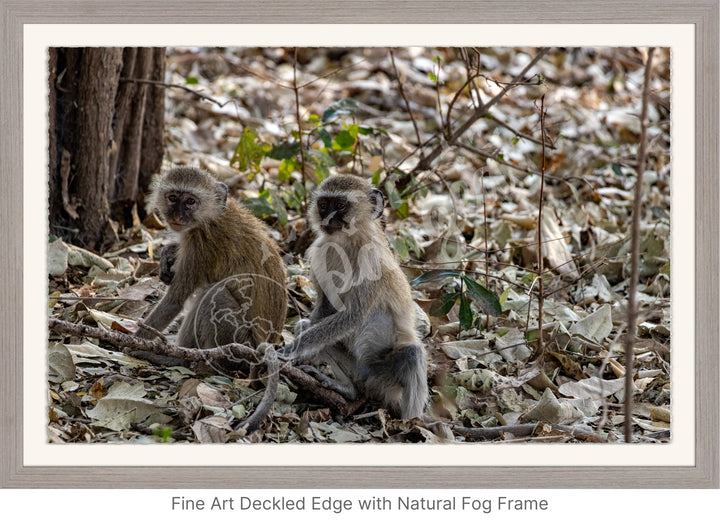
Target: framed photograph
[{"x": 681, "y": 450}]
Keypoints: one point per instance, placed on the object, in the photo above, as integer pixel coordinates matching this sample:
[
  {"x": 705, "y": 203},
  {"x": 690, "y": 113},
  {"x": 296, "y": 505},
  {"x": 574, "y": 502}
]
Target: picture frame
[{"x": 703, "y": 14}]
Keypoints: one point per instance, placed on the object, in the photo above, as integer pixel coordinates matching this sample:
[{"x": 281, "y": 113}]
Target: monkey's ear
[
  {"x": 221, "y": 190},
  {"x": 377, "y": 199}
]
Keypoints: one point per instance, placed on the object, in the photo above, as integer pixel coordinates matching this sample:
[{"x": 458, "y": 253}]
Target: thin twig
[
  {"x": 635, "y": 251},
  {"x": 467, "y": 83},
  {"x": 177, "y": 86},
  {"x": 518, "y": 133},
  {"x": 485, "y": 235},
  {"x": 299, "y": 123},
  {"x": 479, "y": 113},
  {"x": 407, "y": 103},
  {"x": 541, "y": 290},
  {"x": 487, "y": 156}
]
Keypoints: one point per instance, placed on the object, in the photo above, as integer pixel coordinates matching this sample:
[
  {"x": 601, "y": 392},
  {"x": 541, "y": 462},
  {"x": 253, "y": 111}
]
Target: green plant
[
  {"x": 470, "y": 292},
  {"x": 325, "y": 142}
]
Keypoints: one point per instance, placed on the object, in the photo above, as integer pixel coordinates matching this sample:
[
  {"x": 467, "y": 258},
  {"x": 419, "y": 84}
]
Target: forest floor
[{"x": 464, "y": 230}]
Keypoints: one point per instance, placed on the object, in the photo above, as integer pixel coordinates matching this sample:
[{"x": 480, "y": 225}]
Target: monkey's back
[{"x": 237, "y": 245}]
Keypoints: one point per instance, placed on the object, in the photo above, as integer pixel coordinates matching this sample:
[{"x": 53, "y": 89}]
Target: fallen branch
[
  {"x": 525, "y": 430},
  {"x": 230, "y": 356}
]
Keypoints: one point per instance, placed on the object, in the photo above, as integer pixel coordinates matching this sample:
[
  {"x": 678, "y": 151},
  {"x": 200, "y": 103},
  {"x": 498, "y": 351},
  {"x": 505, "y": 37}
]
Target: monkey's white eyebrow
[{"x": 350, "y": 195}]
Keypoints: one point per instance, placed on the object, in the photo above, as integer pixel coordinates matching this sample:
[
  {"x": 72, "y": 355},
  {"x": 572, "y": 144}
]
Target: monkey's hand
[
  {"x": 167, "y": 260},
  {"x": 287, "y": 352},
  {"x": 346, "y": 390},
  {"x": 147, "y": 332}
]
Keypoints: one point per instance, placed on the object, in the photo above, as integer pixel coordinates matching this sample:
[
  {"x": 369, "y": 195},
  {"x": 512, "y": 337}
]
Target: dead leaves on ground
[{"x": 487, "y": 376}]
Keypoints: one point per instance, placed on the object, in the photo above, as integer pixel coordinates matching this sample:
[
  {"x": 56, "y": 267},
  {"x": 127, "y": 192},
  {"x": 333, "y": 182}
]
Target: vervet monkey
[
  {"x": 226, "y": 262},
  {"x": 363, "y": 321},
  {"x": 224, "y": 257}
]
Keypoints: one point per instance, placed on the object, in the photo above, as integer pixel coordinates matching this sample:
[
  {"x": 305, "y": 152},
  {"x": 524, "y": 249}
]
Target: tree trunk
[{"x": 101, "y": 130}]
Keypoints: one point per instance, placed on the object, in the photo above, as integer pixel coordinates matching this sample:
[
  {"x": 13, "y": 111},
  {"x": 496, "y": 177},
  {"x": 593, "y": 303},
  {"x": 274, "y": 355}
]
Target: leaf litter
[{"x": 484, "y": 370}]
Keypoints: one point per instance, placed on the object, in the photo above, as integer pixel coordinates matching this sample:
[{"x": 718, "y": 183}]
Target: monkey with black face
[{"x": 363, "y": 321}]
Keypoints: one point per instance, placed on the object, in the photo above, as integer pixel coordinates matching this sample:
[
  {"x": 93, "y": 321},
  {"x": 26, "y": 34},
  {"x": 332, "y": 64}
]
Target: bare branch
[
  {"x": 479, "y": 113},
  {"x": 299, "y": 123},
  {"x": 541, "y": 290},
  {"x": 175, "y": 86},
  {"x": 407, "y": 104},
  {"x": 632, "y": 310},
  {"x": 223, "y": 355}
]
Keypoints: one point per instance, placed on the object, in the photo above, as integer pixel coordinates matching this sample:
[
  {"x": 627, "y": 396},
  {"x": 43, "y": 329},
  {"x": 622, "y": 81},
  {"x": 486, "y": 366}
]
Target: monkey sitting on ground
[
  {"x": 363, "y": 321},
  {"x": 226, "y": 263},
  {"x": 225, "y": 257}
]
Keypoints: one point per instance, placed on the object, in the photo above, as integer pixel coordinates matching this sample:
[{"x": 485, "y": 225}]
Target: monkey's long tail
[{"x": 252, "y": 423}]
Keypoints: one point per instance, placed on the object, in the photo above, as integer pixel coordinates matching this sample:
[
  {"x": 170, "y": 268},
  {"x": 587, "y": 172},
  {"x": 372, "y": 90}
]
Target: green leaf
[
  {"x": 249, "y": 153},
  {"x": 259, "y": 206},
  {"x": 434, "y": 275},
  {"x": 442, "y": 306},
  {"x": 284, "y": 150},
  {"x": 294, "y": 198},
  {"x": 617, "y": 170},
  {"x": 164, "y": 433},
  {"x": 465, "y": 315},
  {"x": 504, "y": 297},
  {"x": 280, "y": 211},
  {"x": 286, "y": 169},
  {"x": 191, "y": 81},
  {"x": 484, "y": 298},
  {"x": 376, "y": 177},
  {"x": 393, "y": 195},
  {"x": 432, "y": 76},
  {"x": 346, "y": 106},
  {"x": 400, "y": 248},
  {"x": 322, "y": 161},
  {"x": 267, "y": 204},
  {"x": 403, "y": 210},
  {"x": 345, "y": 140},
  {"x": 325, "y": 137}
]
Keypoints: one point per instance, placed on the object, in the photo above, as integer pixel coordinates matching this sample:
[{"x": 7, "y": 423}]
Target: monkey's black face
[
  {"x": 180, "y": 208},
  {"x": 333, "y": 213}
]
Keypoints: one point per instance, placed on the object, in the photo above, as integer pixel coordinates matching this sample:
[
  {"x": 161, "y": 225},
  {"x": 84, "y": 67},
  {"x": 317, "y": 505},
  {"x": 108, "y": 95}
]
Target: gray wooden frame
[{"x": 702, "y": 13}]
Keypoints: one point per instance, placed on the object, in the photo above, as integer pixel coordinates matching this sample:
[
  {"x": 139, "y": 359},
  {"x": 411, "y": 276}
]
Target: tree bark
[
  {"x": 101, "y": 130},
  {"x": 83, "y": 86}
]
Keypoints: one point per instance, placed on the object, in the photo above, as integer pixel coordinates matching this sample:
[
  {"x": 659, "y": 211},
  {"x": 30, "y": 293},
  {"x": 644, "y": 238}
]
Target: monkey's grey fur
[{"x": 363, "y": 321}]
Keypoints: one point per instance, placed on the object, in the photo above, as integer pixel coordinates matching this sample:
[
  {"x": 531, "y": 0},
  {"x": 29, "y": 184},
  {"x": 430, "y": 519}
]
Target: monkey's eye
[
  {"x": 190, "y": 201},
  {"x": 322, "y": 205},
  {"x": 340, "y": 206},
  {"x": 172, "y": 197}
]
